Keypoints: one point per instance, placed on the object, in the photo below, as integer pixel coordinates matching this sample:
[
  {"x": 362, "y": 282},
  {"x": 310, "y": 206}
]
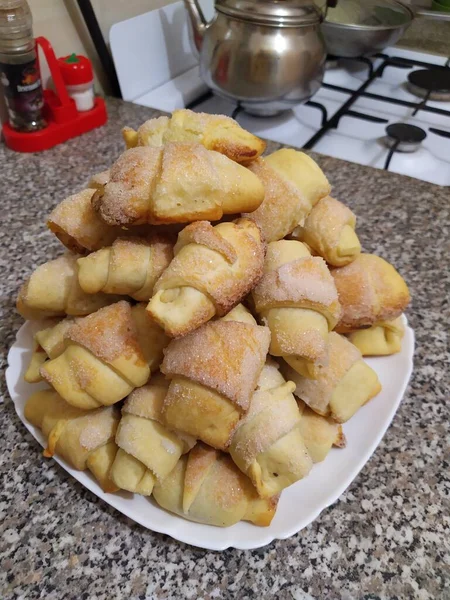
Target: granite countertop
[
  {"x": 386, "y": 538},
  {"x": 427, "y": 36}
]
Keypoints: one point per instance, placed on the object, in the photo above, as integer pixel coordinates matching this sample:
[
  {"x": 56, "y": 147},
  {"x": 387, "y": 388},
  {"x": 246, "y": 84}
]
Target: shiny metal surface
[
  {"x": 404, "y": 137},
  {"x": 369, "y": 14},
  {"x": 287, "y": 13},
  {"x": 432, "y": 84},
  {"x": 265, "y": 61},
  {"x": 353, "y": 40}
]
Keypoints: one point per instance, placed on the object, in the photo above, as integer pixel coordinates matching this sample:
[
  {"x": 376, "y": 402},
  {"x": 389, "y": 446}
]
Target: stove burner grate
[
  {"x": 431, "y": 84},
  {"x": 440, "y": 78},
  {"x": 362, "y": 92},
  {"x": 403, "y": 137}
]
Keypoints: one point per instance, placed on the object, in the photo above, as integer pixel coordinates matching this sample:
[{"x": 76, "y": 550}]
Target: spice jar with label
[{"x": 20, "y": 78}]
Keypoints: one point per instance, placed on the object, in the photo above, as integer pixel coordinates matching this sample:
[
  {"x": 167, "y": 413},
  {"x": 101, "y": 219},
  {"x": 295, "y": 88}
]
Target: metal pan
[{"x": 374, "y": 26}]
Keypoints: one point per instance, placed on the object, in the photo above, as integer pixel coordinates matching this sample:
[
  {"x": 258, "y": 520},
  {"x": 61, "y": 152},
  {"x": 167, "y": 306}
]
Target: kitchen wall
[{"x": 61, "y": 22}]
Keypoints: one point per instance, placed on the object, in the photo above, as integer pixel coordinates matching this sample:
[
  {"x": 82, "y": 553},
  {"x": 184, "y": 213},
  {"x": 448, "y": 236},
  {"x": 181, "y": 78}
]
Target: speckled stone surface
[
  {"x": 387, "y": 538},
  {"x": 427, "y": 36}
]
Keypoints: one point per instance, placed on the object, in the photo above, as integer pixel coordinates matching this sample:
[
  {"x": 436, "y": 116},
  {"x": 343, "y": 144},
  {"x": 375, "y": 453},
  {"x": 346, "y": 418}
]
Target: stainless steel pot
[
  {"x": 268, "y": 55},
  {"x": 369, "y": 26}
]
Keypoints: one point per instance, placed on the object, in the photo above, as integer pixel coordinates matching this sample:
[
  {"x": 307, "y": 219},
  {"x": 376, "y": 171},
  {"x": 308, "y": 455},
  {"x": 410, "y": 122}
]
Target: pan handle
[
  {"x": 328, "y": 4},
  {"x": 432, "y": 15}
]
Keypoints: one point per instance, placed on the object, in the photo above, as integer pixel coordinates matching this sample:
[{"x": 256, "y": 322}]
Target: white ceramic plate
[{"x": 299, "y": 505}]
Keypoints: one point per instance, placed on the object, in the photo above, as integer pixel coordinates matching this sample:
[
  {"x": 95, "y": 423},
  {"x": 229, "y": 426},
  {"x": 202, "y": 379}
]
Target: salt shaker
[{"x": 78, "y": 77}]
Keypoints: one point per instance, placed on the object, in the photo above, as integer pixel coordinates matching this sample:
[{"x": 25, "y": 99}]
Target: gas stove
[
  {"x": 368, "y": 111},
  {"x": 391, "y": 111}
]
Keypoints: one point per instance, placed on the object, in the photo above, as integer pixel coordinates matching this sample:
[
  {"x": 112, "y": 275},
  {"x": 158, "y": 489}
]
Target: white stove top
[
  {"x": 174, "y": 82},
  {"x": 354, "y": 139}
]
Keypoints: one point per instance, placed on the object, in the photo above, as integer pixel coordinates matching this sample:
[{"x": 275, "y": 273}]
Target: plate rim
[{"x": 89, "y": 483}]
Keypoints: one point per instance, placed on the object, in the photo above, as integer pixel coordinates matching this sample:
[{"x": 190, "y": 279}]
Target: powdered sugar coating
[
  {"x": 202, "y": 267},
  {"x": 308, "y": 344},
  {"x": 147, "y": 401},
  {"x": 317, "y": 393},
  {"x": 127, "y": 254},
  {"x": 53, "y": 290},
  {"x": 151, "y": 133},
  {"x": 99, "y": 179},
  {"x": 226, "y": 356},
  {"x": 324, "y": 224},
  {"x": 202, "y": 232},
  {"x": 109, "y": 333},
  {"x": 176, "y": 183},
  {"x": 77, "y": 225},
  {"x": 135, "y": 264},
  {"x": 270, "y": 375},
  {"x": 126, "y": 198},
  {"x": 189, "y": 187},
  {"x": 84, "y": 374},
  {"x": 275, "y": 412},
  {"x": 215, "y": 132},
  {"x": 305, "y": 282},
  {"x": 51, "y": 339},
  {"x": 370, "y": 290},
  {"x": 284, "y": 206},
  {"x": 60, "y": 273},
  {"x": 199, "y": 462},
  {"x": 198, "y": 123},
  {"x": 230, "y": 487},
  {"x": 98, "y": 427}
]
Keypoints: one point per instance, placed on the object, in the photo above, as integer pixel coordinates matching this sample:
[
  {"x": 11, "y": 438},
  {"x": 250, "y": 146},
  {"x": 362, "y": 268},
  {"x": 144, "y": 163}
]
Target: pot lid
[
  {"x": 280, "y": 13},
  {"x": 369, "y": 13}
]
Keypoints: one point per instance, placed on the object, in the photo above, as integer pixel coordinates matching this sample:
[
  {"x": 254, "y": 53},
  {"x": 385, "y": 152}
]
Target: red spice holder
[{"x": 64, "y": 121}]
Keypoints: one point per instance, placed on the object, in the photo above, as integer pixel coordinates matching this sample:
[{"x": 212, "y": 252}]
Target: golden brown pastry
[
  {"x": 148, "y": 451},
  {"x": 294, "y": 183},
  {"x": 206, "y": 486},
  {"x": 302, "y": 171},
  {"x": 343, "y": 387},
  {"x": 177, "y": 183},
  {"x": 382, "y": 339},
  {"x": 284, "y": 205},
  {"x": 267, "y": 445},
  {"x": 370, "y": 290},
  {"x": 130, "y": 266},
  {"x": 297, "y": 299},
  {"x": 102, "y": 361},
  {"x": 48, "y": 343},
  {"x": 76, "y": 224},
  {"x": 329, "y": 230},
  {"x": 53, "y": 290},
  {"x": 319, "y": 433},
  {"x": 214, "y": 371},
  {"x": 51, "y": 339},
  {"x": 213, "y": 269},
  {"x": 38, "y": 358},
  {"x": 151, "y": 337},
  {"x": 85, "y": 439},
  {"x": 99, "y": 180},
  {"x": 214, "y": 132}
]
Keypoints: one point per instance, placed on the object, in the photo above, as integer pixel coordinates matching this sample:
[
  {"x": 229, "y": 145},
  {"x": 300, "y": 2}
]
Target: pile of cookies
[{"x": 205, "y": 330}]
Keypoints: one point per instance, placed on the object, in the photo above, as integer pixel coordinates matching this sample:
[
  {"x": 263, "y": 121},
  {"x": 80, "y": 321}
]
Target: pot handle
[
  {"x": 432, "y": 15},
  {"x": 327, "y": 4}
]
